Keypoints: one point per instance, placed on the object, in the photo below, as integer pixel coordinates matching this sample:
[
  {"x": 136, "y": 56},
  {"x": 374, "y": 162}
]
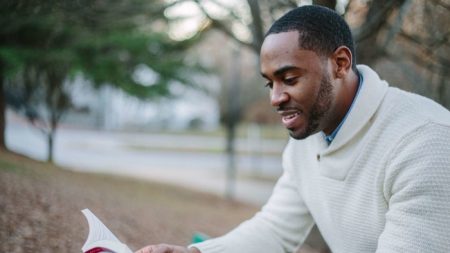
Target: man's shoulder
[
  {"x": 410, "y": 119},
  {"x": 411, "y": 107}
]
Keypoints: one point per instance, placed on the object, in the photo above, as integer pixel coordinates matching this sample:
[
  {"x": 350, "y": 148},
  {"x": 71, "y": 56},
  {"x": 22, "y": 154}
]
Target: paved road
[{"x": 189, "y": 161}]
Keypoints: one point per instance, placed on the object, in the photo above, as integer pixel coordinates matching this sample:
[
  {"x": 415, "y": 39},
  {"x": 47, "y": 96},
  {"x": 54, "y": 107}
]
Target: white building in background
[{"x": 111, "y": 109}]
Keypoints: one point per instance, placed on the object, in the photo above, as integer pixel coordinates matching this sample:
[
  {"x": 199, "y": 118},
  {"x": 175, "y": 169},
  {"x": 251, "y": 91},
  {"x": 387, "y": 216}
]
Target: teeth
[{"x": 292, "y": 115}]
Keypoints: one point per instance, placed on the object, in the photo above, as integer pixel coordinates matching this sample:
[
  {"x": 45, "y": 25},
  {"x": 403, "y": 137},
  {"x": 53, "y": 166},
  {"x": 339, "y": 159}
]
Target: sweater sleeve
[
  {"x": 417, "y": 190},
  {"x": 281, "y": 225}
]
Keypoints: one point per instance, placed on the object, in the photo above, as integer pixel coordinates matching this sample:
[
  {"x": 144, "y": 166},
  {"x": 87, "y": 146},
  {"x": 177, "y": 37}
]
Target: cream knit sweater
[{"x": 383, "y": 185}]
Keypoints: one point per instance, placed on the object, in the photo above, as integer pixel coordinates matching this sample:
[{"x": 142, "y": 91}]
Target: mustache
[{"x": 287, "y": 107}]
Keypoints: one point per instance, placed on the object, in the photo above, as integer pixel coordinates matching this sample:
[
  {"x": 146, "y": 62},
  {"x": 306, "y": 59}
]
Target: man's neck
[{"x": 345, "y": 95}]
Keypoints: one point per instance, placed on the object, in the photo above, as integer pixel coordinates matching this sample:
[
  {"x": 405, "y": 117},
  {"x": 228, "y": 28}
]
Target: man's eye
[
  {"x": 290, "y": 81},
  {"x": 269, "y": 84}
]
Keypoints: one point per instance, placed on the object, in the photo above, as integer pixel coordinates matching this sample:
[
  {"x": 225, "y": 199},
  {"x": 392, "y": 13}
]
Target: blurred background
[{"x": 167, "y": 95}]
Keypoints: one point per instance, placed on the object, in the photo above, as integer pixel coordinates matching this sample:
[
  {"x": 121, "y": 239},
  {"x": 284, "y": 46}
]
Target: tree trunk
[
  {"x": 2, "y": 109},
  {"x": 257, "y": 25},
  {"x": 232, "y": 121},
  {"x": 327, "y": 3},
  {"x": 53, "y": 124},
  {"x": 50, "y": 139}
]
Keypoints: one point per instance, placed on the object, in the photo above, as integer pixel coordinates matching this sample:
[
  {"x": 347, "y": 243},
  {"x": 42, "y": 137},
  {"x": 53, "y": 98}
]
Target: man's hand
[{"x": 165, "y": 248}]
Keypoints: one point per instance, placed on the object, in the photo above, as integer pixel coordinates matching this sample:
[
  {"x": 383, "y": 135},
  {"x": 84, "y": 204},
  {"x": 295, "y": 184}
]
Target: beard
[{"x": 318, "y": 111}]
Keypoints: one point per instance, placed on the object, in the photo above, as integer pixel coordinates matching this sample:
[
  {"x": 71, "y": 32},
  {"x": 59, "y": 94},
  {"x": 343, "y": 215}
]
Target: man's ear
[{"x": 342, "y": 61}]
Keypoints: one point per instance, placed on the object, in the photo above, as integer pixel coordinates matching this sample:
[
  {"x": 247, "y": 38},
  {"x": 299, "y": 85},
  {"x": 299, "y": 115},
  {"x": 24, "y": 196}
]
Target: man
[{"x": 367, "y": 163}]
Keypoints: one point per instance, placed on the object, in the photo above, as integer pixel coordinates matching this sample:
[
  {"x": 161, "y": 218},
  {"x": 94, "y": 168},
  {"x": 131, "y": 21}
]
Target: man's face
[{"x": 300, "y": 84}]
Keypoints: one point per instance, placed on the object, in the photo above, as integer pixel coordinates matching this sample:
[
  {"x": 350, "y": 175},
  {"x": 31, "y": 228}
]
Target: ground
[{"x": 40, "y": 209}]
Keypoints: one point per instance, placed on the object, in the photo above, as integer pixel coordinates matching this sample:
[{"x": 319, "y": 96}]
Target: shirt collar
[{"x": 330, "y": 138}]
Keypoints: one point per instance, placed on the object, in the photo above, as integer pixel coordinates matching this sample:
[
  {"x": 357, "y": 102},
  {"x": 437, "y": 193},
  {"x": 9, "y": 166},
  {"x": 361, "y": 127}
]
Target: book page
[{"x": 100, "y": 238}]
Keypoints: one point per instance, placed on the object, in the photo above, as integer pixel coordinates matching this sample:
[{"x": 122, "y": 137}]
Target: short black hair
[{"x": 320, "y": 30}]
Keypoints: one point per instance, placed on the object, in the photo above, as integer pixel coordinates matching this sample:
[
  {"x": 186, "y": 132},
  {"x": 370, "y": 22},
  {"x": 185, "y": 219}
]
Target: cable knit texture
[{"x": 383, "y": 185}]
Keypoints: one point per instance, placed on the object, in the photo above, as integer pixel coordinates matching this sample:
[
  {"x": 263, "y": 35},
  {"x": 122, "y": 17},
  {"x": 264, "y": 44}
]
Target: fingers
[
  {"x": 153, "y": 249},
  {"x": 162, "y": 248},
  {"x": 147, "y": 249}
]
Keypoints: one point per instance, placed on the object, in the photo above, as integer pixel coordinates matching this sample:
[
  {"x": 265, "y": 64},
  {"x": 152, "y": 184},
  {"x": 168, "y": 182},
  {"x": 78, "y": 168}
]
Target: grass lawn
[{"x": 40, "y": 209}]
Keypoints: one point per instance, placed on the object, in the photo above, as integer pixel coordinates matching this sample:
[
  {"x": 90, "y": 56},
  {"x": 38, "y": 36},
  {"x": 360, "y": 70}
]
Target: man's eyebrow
[{"x": 282, "y": 70}]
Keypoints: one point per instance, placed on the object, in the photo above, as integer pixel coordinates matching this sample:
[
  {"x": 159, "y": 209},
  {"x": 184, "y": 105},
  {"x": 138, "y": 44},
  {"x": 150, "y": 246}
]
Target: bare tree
[
  {"x": 412, "y": 34},
  {"x": 38, "y": 95}
]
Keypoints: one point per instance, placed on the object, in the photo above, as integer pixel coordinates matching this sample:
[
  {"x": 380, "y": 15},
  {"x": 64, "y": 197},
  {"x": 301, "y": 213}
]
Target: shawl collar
[
  {"x": 366, "y": 104},
  {"x": 337, "y": 160}
]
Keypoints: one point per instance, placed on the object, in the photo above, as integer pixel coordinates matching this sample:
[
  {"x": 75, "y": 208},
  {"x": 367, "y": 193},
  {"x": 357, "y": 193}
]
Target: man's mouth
[
  {"x": 289, "y": 118},
  {"x": 291, "y": 115}
]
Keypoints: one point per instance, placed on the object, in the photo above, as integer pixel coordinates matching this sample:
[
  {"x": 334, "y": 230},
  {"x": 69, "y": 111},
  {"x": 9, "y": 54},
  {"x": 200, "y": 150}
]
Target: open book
[{"x": 100, "y": 238}]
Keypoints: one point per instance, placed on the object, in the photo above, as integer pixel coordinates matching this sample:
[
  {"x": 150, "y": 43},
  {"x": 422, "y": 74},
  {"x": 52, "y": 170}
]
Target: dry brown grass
[{"x": 40, "y": 209}]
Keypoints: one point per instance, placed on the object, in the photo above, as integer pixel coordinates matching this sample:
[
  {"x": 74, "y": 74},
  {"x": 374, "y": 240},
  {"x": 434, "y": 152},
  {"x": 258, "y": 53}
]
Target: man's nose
[{"x": 278, "y": 95}]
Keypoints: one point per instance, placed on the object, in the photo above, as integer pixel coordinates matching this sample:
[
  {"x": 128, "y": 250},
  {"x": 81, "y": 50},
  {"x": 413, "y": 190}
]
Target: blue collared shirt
[{"x": 330, "y": 138}]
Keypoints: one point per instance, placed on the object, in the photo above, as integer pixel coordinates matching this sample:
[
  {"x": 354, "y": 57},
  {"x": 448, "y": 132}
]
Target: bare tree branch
[
  {"x": 257, "y": 24},
  {"x": 397, "y": 26},
  {"x": 291, "y": 3},
  {"x": 220, "y": 25},
  {"x": 276, "y": 6},
  {"x": 376, "y": 18},
  {"x": 441, "y": 3},
  {"x": 347, "y": 7},
  {"x": 428, "y": 48},
  {"x": 444, "y": 39},
  {"x": 231, "y": 12}
]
